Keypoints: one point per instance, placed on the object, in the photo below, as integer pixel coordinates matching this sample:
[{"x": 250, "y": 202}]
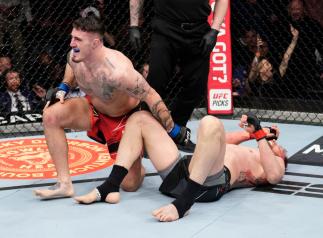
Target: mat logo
[
  {"x": 311, "y": 154},
  {"x": 294, "y": 188},
  {"x": 314, "y": 148},
  {"x": 30, "y": 159}
]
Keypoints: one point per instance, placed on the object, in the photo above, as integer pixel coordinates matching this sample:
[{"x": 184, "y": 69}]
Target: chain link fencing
[
  {"x": 277, "y": 65},
  {"x": 276, "y": 49}
]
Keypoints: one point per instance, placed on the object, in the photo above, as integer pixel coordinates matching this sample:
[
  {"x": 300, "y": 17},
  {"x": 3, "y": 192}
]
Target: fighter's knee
[
  {"x": 133, "y": 180},
  {"x": 210, "y": 125},
  {"x": 140, "y": 118},
  {"x": 50, "y": 118},
  {"x": 131, "y": 186}
]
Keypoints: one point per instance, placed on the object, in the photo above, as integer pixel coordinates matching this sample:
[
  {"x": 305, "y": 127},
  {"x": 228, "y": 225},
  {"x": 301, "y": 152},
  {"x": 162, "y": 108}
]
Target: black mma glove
[
  {"x": 258, "y": 133},
  {"x": 134, "y": 34},
  {"x": 272, "y": 133},
  {"x": 180, "y": 134},
  {"x": 208, "y": 41},
  {"x": 53, "y": 95}
]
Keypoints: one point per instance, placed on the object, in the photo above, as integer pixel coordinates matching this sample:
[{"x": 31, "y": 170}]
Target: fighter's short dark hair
[{"x": 90, "y": 23}]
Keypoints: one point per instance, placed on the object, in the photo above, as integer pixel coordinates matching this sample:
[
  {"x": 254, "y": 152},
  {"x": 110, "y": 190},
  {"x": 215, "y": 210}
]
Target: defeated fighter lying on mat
[{"x": 217, "y": 165}]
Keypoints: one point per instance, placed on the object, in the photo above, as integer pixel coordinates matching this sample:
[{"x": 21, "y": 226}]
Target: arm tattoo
[
  {"x": 154, "y": 110},
  {"x": 165, "y": 120},
  {"x": 135, "y": 11},
  {"x": 168, "y": 120},
  {"x": 139, "y": 90}
]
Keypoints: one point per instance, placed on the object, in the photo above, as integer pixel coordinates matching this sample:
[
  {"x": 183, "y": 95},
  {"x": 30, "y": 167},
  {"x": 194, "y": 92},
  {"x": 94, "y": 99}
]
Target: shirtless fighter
[
  {"x": 217, "y": 165},
  {"x": 114, "y": 90}
]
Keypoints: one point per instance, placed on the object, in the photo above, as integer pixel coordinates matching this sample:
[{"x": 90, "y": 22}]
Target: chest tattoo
[{"x": 108, "y": 87}]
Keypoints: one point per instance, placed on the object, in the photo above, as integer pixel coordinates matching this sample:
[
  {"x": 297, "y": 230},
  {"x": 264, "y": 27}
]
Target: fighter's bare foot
[
  {"x": 59, "y": 190},
  {"x": 167, "y": 213},
  {"x": 93, "y": 196}
]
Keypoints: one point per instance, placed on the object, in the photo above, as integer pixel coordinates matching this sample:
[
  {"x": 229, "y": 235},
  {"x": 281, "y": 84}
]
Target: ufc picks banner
[{"x": 220, "y": 74}]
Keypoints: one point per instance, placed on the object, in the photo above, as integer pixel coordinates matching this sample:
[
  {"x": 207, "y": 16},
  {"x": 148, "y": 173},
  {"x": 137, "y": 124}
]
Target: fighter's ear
[{"x": 96, "y": 42}]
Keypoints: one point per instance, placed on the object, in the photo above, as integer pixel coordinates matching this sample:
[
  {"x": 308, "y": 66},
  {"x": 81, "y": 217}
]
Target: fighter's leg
[
  {"x": 135, "y": 177},
  {"x": 208, "y": 157},
  {"x": 162, "y": 63},
  {"x": 207, "y": 160},
  {"x": 195, "y": 74},
  {"x": 74, "y": 114},
  {"x": 142, "y": 129}
]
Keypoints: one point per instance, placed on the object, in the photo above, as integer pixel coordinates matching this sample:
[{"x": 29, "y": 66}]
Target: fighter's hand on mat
[
  {"x": 180, "y": 134},
  {"x": 135, "y": 37},
  {"x": 208, "y": 41}
]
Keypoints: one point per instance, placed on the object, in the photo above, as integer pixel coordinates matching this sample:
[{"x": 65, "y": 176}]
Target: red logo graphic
[{"x": 30, "y": 159}]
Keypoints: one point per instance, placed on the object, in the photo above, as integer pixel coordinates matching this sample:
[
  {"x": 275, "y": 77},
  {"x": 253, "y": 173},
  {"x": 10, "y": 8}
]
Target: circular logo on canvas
[{"x": 30, "y": 159}]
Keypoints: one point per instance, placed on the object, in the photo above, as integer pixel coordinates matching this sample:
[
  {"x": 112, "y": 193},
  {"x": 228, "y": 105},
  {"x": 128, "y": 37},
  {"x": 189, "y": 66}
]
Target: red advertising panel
[{"x": 220, "y": 75}]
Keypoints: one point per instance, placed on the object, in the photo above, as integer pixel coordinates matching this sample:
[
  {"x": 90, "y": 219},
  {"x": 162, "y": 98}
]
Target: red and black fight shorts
[{"x": 107, "y": 130}]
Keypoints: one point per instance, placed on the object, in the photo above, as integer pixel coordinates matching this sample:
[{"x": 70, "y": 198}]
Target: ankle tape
[
  {"x": 106, "y": 188},
  {"x": 182, "y": 206},
  {"x": 112, "y": 183},
  {"x": 187, "y": 198}
]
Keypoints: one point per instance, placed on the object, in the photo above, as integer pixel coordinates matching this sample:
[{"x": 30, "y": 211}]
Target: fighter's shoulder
[
  {"x": 117, "y": 55},
  {"x": 118, "y": 60}
]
